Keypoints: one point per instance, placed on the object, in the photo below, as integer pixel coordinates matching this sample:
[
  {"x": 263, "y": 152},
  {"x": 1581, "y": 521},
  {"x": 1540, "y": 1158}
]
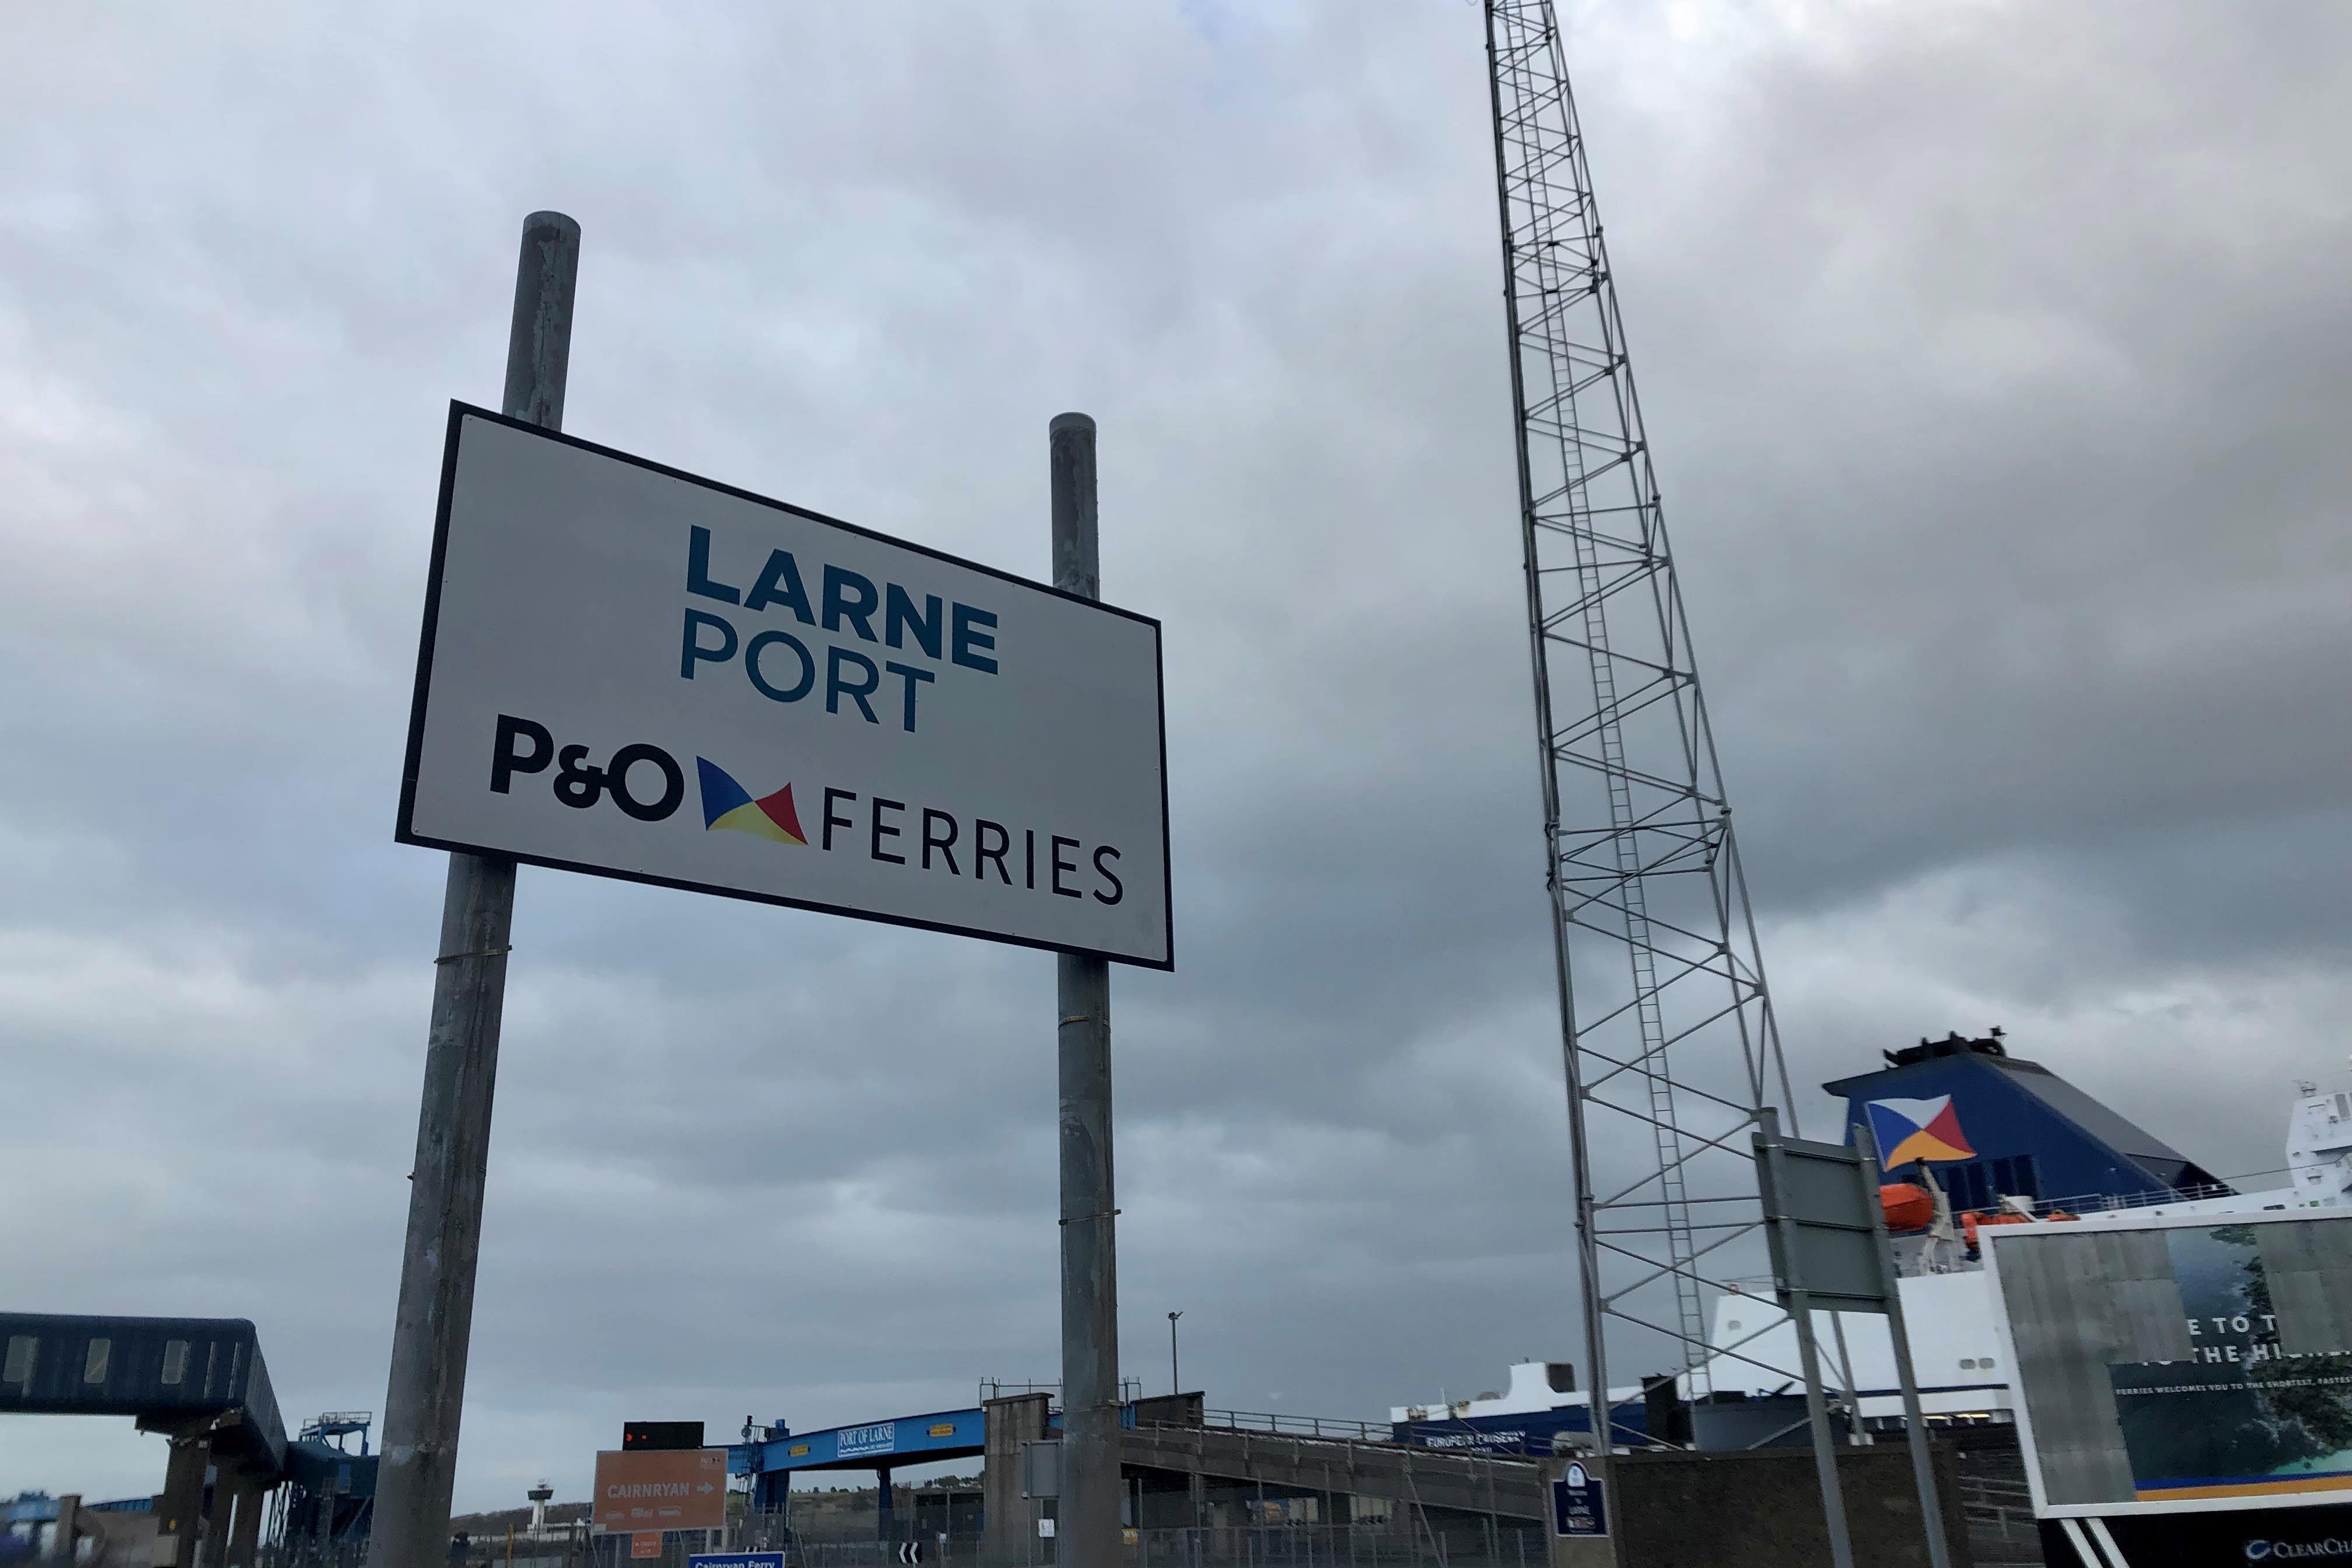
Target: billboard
[
  {"x": 634, "y": 672},
  {"x": 2194, "y": 1363}
]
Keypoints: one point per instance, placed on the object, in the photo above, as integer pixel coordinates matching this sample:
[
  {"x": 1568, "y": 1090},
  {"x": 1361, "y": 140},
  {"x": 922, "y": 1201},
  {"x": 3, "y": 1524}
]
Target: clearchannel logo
[{"x": 2331, "y": 1546}]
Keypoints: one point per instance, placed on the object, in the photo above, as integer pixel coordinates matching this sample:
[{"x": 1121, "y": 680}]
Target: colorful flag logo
[
  {"x": 726, "y": 803},
  {"x": 1909, "y": 1129}
]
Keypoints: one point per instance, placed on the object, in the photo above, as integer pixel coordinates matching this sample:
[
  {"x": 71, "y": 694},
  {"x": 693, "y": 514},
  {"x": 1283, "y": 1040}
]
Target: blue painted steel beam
[{"x": 905, "y": 1440}]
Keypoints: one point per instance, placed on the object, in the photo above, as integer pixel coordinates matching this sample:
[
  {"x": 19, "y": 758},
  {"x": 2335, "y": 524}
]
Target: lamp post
[{"x": 1175, "y": 1384}]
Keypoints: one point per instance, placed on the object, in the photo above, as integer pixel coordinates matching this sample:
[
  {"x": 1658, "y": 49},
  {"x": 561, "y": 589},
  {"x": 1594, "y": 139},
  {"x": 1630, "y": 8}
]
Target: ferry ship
[{"x": 1971, "y": 1136}]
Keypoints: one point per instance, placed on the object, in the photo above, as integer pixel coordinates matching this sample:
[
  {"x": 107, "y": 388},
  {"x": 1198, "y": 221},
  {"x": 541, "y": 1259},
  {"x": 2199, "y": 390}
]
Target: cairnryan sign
[
  {"x": 653, "y": 1489},
  {"x": 634, "y": 672}
]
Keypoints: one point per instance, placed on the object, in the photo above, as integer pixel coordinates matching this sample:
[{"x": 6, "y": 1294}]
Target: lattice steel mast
[{"x": 1667, "y": 1031}]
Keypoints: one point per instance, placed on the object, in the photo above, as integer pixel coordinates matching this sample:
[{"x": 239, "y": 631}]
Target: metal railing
[
  {"x": 348, "y": 1552},
  {"x": 1397, "y": 1543},
  {"x": 1129, "y": 1389},
  {"x": 2099, "y": 1202},
  {"x": 1999, "y": 1515},
  {"x": 1302, "y": 1426}
]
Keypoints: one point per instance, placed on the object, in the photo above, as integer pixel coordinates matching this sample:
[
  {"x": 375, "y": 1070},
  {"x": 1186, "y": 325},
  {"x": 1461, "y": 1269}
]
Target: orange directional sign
[{"x": 684, "y": 1489}]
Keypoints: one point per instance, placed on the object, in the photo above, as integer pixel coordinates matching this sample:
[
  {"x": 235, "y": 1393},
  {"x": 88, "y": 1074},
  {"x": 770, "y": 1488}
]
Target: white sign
[
  {"x": 876, "y": 1439},
  {"x": 631, "y": 672}
]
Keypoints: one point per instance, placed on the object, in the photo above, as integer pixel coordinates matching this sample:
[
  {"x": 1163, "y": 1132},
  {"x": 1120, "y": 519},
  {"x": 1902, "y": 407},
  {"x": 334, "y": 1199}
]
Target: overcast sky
[{"x": 1996, "y": 360}]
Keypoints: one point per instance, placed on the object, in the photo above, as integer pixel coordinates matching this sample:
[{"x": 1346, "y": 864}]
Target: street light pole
[{"x": 1175, "y": 1383}]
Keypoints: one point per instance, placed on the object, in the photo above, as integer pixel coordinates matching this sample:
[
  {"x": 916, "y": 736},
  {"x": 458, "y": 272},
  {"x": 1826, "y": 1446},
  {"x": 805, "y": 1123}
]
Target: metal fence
[
  {"x": 483, "y": 1552},
  {"x": 1235, "y": 1546},
  {"x": 348, "y": 1552},
  {"x": 1400, "y": 1543},
  {"x": 1405, "y": 1539},
  {"x": 2000, "y": 1515}
]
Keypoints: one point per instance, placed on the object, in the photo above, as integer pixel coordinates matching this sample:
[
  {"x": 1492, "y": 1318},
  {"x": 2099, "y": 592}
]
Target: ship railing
[{"x": 2100, "y": 1203}]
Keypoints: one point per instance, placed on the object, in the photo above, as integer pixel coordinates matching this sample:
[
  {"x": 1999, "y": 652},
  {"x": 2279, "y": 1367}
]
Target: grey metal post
[
  {"x": 435, "y": 1317},
  {"x": 1087, "y": 1533},
  {"x": 1817, "y": 1407},
  {"x": 1923, "y": 1466},
  {"x": 1817, "y": 1416}
]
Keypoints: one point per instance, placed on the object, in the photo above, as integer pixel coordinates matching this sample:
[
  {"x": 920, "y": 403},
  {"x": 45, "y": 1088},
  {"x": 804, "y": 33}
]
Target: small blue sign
[
  {"x": 737, "y": 1560},
  {"x": 1578, "y": 1507}
]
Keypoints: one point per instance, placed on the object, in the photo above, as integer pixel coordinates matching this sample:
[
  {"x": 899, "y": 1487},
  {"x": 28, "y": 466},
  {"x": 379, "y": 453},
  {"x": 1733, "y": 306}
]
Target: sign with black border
[{"x": 634, "y": 672}]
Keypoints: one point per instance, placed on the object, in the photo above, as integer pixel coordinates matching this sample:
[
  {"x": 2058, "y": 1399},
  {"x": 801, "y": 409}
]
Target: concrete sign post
[
  {"x": 1090, "y": 1402},
  {"x": 434, "y": 1321},
  {"x": 634, "y": 672}
]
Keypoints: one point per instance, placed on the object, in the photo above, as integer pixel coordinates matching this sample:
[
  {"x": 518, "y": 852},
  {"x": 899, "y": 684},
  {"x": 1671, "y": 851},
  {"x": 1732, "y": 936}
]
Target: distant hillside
[{"x": 477, "y": 1525}]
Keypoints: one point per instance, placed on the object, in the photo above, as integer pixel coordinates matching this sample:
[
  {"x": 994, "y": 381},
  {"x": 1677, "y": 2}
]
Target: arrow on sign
[{"x": 705, "y": 1487}]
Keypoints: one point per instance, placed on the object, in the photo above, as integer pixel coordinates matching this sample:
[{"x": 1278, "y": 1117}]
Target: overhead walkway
[
  {"x": 873, "y": 1446},
  {"x": 878, "y": 1445},
  {"x": 201, "y": 1381}
]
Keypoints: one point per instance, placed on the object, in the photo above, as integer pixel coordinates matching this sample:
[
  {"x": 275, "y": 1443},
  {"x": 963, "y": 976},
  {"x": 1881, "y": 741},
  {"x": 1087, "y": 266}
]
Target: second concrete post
[
  {"x": 1087, "y": 1531},
  {"x": 434, "y": 1324}
]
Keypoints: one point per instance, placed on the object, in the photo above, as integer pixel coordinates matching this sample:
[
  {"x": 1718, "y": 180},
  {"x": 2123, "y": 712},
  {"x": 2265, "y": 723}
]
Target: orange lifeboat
[{"x": 1907, "y": 1207}]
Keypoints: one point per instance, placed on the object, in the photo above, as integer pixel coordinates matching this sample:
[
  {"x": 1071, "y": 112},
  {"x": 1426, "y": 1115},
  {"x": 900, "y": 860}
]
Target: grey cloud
[{"x": 1995, "y": 364}]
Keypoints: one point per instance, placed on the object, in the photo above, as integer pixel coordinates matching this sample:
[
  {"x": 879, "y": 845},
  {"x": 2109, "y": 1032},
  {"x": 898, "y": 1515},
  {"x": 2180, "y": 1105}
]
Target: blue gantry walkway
[{"x": 876, "y": 1446}]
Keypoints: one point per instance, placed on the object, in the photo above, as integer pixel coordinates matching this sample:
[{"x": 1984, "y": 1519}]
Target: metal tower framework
[{"x": 1667, "y": 1031}]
